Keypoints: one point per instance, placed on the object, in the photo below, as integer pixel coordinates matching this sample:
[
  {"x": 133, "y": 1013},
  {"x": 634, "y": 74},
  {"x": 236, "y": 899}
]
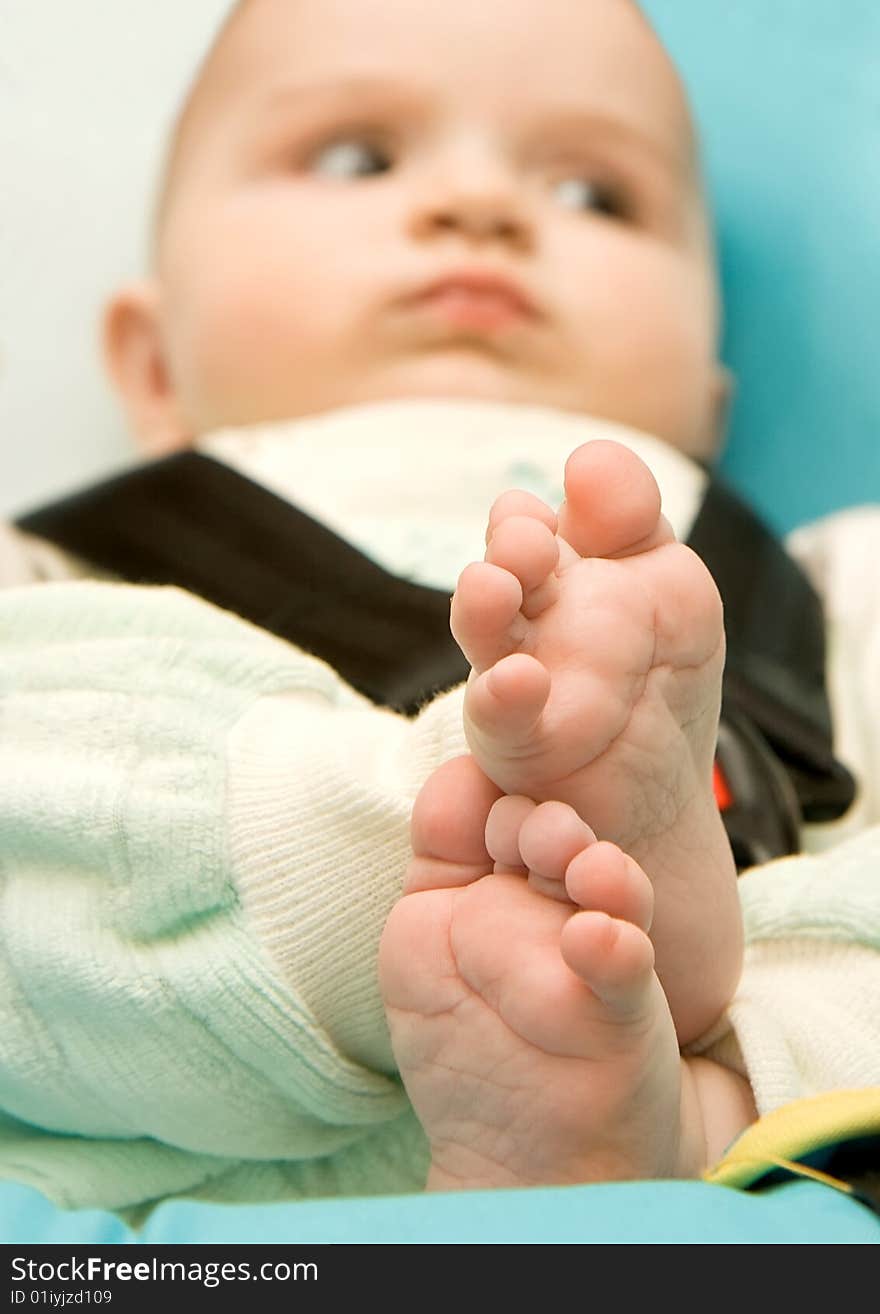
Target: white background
[{"x": 88, "y": 89}]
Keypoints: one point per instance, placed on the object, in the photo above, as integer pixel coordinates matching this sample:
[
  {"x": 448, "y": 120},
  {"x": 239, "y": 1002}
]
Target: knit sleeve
[
  {"x": 838, "y": 553},
  {"x": 804, "y": 1019},
  {"x": 203, "y": 830}
]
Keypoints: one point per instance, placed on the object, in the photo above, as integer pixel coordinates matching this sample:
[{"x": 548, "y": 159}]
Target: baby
[
  {"x": 387, "y": 202},
  {"x": 454, "y": 228}
]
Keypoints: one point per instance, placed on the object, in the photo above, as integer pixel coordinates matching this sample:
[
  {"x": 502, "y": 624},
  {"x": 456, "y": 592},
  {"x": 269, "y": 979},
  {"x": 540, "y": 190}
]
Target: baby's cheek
[
  {"x": 658, "y": 343},
  {"x": 242, "y": 339}
]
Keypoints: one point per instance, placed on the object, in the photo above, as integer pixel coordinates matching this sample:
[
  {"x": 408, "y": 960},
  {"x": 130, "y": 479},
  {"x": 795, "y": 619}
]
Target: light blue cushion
[
  {"x": 668, "y": 1212},
  {"x": 26, "y": 1217},
  {"x": 788, "y": 98},
  {"x": 789, "y": 101}
]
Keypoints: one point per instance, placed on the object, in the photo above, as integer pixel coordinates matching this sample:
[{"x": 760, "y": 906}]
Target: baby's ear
[{"x": 135, "y": 359}]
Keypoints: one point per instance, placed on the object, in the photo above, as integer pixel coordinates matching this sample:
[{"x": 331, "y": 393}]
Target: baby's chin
[
  {"x": 465, "y": 375},
  {"x": 458, "y": 373},
  {"x": 427, "y": 381}
]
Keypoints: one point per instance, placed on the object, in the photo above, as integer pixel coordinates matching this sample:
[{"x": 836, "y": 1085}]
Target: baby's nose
[{"x": 475, "y": 197}]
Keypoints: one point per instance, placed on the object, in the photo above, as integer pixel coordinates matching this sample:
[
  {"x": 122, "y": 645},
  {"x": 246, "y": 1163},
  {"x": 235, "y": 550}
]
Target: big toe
[
  {"x": 448, "y": 829},
  {"x": 612, "y": 502}
]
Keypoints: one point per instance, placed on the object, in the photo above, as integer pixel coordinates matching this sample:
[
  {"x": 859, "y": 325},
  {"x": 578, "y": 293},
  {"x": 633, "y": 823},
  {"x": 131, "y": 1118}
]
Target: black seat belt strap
[
  {"x": 775, "y": 669},
  {"x": 194, "y": 522}
]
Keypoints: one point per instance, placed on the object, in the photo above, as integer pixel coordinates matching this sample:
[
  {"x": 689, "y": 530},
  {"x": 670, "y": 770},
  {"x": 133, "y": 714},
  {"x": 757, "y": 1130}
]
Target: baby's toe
[
  {"x": 502, "y": 707},
  {"x": 551, "y": 836},
  {"x": 612, "y": 502},
  {"x": 485, "y": 616},
  {"x": 528, "y": 549},
  {"x": 603, "y": 878},
  {"x": 516, "y": 502},
  {"x": 503, "y": 827},
  {"x": 448, "y": 828},
  {"x": 614, "y": 958}
]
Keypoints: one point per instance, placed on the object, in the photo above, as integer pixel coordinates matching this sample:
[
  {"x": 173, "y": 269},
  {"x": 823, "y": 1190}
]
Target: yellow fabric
[{"x": 781, "y": 1138}]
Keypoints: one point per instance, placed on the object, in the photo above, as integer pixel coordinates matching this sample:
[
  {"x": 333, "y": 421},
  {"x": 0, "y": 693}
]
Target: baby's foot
[
  {"x": 597, "y": 647},
  {"x": 531, "y": 1032}
]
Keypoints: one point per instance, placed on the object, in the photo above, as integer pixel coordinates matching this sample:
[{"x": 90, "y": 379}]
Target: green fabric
[{"x": 125, "y": 942}]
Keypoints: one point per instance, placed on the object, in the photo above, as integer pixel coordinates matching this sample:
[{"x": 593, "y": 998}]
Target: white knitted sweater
[{"x": 202, "y": 831}]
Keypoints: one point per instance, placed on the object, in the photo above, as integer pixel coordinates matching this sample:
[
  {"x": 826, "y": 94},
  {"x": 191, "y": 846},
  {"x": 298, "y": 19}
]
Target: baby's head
[{"x": 337, "y": 159}]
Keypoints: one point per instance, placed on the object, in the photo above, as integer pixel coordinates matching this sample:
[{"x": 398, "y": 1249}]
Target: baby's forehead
[
  {"x": 259, "y": 34},
  {"x": 199, "y": 106},
  {"x": 232, "y": 68}
]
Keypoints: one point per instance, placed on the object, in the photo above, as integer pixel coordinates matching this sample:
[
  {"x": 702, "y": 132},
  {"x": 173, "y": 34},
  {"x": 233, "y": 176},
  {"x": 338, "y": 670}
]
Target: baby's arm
[{"x": 203, "y": 833}]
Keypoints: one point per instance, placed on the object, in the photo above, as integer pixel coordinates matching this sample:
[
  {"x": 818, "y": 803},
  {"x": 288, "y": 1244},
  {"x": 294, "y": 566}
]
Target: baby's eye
[
  {"x": 585, "y": 194},
  {"x": 351, "y": 158}
]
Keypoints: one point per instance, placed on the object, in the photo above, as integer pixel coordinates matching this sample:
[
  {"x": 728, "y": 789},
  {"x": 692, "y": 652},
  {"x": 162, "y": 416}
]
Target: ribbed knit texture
[
  {"x": 806, "y": 1016},
  {"x": 135, "y": 999}
]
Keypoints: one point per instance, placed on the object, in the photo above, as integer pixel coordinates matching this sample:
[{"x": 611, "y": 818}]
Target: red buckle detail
[{"x": 723, "y": 795}]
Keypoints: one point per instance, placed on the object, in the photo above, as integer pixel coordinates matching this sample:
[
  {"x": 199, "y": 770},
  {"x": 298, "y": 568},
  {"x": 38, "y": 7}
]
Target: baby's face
[{"x": 398, "y": 198}]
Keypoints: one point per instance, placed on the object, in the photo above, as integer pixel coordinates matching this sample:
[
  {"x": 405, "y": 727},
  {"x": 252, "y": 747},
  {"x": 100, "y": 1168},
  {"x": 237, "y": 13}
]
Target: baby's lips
[{"x": 476, "y": 284}]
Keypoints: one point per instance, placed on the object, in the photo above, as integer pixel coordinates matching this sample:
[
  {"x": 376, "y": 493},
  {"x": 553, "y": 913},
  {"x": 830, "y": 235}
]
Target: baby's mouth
[
  {"x": 480, "y": 301},
  {"x": 469, "y": 308}
]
